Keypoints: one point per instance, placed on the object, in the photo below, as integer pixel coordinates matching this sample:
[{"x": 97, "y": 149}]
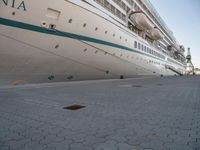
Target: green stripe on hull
[{"x": 30, "y": 27}]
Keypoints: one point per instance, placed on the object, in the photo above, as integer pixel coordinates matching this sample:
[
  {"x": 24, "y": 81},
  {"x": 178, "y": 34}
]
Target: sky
[{"x": 183, "y": 18}]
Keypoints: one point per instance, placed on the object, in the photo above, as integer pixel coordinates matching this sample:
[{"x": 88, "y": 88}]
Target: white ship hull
[{"x": 32, "y": 53}]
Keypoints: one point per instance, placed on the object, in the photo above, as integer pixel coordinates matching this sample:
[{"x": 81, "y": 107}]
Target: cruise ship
[{"x": 65, "y": 40}]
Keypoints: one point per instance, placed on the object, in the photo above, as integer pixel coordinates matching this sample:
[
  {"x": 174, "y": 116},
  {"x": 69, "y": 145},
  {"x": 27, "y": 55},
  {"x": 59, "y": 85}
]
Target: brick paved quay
[{"x": 131, "y": 114}]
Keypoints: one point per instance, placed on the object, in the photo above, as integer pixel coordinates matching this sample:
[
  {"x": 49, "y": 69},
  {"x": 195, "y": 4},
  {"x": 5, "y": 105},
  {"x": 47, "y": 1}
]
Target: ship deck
[{"x": 130, "y": 114}]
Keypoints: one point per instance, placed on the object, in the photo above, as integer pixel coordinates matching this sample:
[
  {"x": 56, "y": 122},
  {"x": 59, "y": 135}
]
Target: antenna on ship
[{"x": 189, "y": 66}]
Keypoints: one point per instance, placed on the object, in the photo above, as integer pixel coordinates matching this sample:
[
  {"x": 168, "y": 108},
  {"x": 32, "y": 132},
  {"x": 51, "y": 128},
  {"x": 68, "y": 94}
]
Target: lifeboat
[
  {"x": 141, "y": 20},
  {"x": 156, "y": 34}
]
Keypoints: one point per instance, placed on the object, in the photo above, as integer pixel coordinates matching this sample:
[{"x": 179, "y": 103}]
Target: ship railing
[{"x": 159, "y": 19}]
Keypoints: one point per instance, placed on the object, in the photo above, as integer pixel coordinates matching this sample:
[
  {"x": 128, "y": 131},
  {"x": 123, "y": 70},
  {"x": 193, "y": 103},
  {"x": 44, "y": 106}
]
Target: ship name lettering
[{"x": 14, "y": 4}]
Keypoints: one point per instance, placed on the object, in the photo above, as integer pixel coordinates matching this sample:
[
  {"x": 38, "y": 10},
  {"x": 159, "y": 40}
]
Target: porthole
[
  {"x": 57, "y": 46},
  {"x": 51, "y": 77},
  {"x": 84, "y": 25},
  {"x": 44, "y": 24},
  {"x": 106, "y": 32},
  {"x": 96, "y": 29},
  {"x": 121, "y": 77},
  {"x": 70, "y": 77},
  {"x": 70, "y": 21},
  {"x": 13, "y": 13},
  {"x": 52, "y": 26}
]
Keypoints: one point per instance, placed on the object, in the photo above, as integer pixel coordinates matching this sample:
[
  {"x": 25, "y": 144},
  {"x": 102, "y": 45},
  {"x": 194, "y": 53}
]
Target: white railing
[{"x": 159, "y": 19}]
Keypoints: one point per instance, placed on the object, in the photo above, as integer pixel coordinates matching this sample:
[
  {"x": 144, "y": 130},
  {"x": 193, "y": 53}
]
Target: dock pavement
[{"x": 131, "y": 114}]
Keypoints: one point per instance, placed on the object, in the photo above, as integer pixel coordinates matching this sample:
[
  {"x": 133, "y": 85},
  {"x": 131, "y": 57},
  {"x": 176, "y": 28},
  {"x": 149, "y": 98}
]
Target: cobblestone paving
[{"x": 132, "y": 114}]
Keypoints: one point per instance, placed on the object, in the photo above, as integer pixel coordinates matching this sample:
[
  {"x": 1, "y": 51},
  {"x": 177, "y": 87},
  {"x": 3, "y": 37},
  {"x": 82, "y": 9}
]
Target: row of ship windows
[
  {"x": 125, "y": 7},
  {"x": 96, "y": 29},
  {"x": 172, "y": 61},
  {"x": 112, "y": 9},
  {"x": 147, "y": 50},
  {"x": 136, "y": 44},
  {"x": 138, "y": 58},
  {"x": 131, "y": 2}
]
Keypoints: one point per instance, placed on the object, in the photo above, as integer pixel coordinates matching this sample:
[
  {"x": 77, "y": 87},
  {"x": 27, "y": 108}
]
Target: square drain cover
[{"x": 74, "y": 107}]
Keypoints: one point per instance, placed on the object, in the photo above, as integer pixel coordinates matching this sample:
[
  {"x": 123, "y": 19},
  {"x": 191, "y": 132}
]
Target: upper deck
[{"x": 122, "y": 8}]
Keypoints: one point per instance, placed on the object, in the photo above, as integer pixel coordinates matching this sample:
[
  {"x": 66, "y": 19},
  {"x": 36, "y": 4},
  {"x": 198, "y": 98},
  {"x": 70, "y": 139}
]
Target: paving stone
[
  {"x": 79, "y": 146},
  {"x": 17, "y": 144},
  {"x": 5, "y": 147},
  {"x": 91, "y": 140},
  {"x": 124, "y": 146},
  {"x": 109, "y": 145},
  {"x": 64, "y": 145},
  {"x": 33, "y": 146},
  {"x": 117, "y": 137},
  {"x": 51, "y": 139}
]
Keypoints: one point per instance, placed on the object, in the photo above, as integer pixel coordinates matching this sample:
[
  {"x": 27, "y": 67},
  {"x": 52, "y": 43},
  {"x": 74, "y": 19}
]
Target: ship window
[
  {"x": 145, "y": 48},
  {"x": 123, "y": 5},
  {"x": 113, "y": 35},
  {"x": 106, "y": 32},
  {"x": 100, "y": 1},
  {"x": 123, "y": 17},
  {"x": 142, "y": 47},
  {"x": 112, "y": 9},
  {"x": 70, "y": 21},
  {"x": 135, "y": 44},
  {"x": 84, "y": 25},
  {"x": 96, "y": 29},
  {"x": 107, "y": 4},
  {"x": 118, "y": 13},
  {"x": 138, "y": 45},
  {"x": 52, "y": 26}
]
